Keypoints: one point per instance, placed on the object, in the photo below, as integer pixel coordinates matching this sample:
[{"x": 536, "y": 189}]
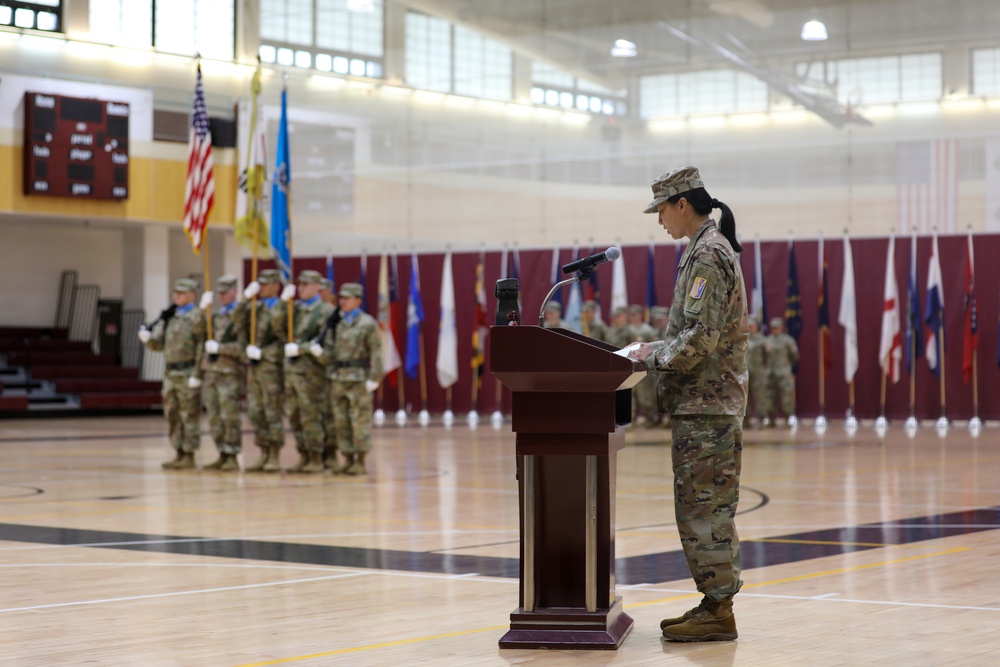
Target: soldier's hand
[
  {"x": 206, "y": 300},
  {"x": 288, "y": 293},
  {"x": 144, "y": 335},
  {"x": 252, "y": 290},
  {"x": 641, "y": 352},
  {"x": 194, "y": 382},
  {"x": 315, "y": 349},
  {"x": 292, "y": 350},
  {"x": 253, "y": 352},
  {"x": 371, "y": 385},
  {"x": 212, "y": 346}
]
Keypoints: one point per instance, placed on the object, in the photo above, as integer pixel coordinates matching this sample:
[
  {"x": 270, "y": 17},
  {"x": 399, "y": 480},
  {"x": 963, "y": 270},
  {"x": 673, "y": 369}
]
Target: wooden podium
[{"x": 572, "y": 400}]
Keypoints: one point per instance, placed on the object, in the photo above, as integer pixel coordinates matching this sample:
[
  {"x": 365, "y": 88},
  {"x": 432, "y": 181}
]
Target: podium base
[{"x": 568, "y": 628}]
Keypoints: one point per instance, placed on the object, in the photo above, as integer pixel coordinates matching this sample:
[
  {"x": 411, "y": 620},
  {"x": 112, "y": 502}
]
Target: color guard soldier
[
  {"x": 591, "y": 323},
  {"x": 222, "y": 370},
  {"x": 180, "y": 334},
  {"x": 619, "y": 334},
  {"x": 783, "y": 354},
  {"x": 552, "y": 316},
  {"x": 757, "y": 364},
  {"x": 644, "y": 393}
]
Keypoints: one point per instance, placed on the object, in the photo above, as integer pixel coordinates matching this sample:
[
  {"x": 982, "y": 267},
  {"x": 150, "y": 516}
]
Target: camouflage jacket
[
  {"x": 309, "y": 322},
  {"x": 354, "y": 352},
  {"x": 757, "y": 353},
  {"x": 597, "y": 330},
  {"x": 619, "y": 336},
  {"x": 266, "y": 324},
  {"x": 783, "y": 353},
  {"x": 703, "y": 358},
  {"x": 643, "y": 332},
  {"x": 232, "y": 342},
  {"x": 182, "y": 341}
]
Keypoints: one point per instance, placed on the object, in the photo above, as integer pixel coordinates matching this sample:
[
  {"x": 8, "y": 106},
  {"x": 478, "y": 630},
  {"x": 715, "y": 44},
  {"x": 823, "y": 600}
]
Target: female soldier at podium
[{"x": 702, "y": 369}]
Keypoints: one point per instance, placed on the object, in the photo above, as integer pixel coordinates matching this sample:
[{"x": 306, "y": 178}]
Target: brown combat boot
[
  {"x": 185, "y": 462},
  {"x": 170, "y": 465},
  {"x": 358, "y": 467},
  {"x": 217, "y": 464},
  {"x": 303, "y": 460},
  {"x": 705, "y": 602},
  {"x": 273, "y": 461},
  {"x": 258, "y": 466},
  {"x": 330, "y": 458},
  {"x": 713, "y": 623},
  {"x": 230, "y": 464},
  {"x": 348, "y": 462},
  {"x": 314, "y": 463}
]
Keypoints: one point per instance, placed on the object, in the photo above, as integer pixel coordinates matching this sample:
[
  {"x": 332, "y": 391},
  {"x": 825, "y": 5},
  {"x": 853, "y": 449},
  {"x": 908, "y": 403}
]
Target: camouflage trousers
[
  {"x": 182, "y": 408},
  {"x": 305, "y": 399},
  {"x": 266, "y": 395},
  {"x": 760, "y": 397},
  {"x": 707, "y": 451},
  {"x": 644, "y": 399},
  {"x": 352, "y": 416},
  {"x": 222, "y": 394},
  {"x": 782, "y": 384}
]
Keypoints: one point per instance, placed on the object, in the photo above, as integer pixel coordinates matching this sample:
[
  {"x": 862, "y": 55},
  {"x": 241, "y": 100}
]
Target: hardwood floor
[{"x": 857, "y": 551}]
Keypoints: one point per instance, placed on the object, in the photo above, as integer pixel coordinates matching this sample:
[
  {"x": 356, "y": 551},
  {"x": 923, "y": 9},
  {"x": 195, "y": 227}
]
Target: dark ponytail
[{"x": 703, "y": 205}]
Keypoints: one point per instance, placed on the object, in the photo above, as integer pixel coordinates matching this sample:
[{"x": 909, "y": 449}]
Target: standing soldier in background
[
  {"x": 644, "y": 393},
  {"x": 618, "y": 333},
  {"x": 329, "y": 432},
  {"x": 592, "y": 325},
  {"x": 553, "y": 316},
  {"x": 265, "y": 377},
  {"x": 658, "y": 317},
  {"x": 757, "y": 364},
  {"x": 305, "y": 374},
  {"x": 783, "y": 354},
  {"x": 353, "y": 349},
  {"x": 326, "y": 292},
  {"x": 222, "y": 369},
  {"x": 180, "y": 335}
]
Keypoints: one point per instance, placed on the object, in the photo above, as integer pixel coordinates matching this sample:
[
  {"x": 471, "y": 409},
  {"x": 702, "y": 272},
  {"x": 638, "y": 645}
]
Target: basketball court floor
[{"x": 856, "y": 550}]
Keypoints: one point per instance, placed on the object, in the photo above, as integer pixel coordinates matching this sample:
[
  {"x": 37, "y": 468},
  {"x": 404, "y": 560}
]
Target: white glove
[
  {"x": 144, "y": 335},
  {"x": 193, "y": 382},
  {"x": 253, "y": 352},
  {"x": 252, "y": 290},
  {"x": 291, "y": 350},
  {"x": 316, "y": 349},
  {"x": 212, "y": 346},
  {"x": 288, "y": 293},
  {"x": 206, "y": 300},
  {"x": 371, "y": 385}
]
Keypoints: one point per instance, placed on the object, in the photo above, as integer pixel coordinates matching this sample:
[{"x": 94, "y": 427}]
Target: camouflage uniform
[
  {"x": 181, "y": 339},
  {"x": 619, "y": 336},
  {"x": 757, "y": 363},
  {"x": 305, "y": 375},
  {"x": 783, "y": 354},
  {"x": 644, "y": 393},
  {"x": 223, "y": 377},
  {"x": 265, "y": 377},
  {"x": 703, "y": 380},
  {"x": 556, "y": 322},
  {"x": 354, "y": 357}
]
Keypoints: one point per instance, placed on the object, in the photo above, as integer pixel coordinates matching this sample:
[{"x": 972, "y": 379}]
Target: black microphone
[{"x": 587, "y": 263}]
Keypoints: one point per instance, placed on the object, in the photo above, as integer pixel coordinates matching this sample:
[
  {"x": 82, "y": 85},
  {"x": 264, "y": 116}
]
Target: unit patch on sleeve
[{"x": 698, "y": 288}]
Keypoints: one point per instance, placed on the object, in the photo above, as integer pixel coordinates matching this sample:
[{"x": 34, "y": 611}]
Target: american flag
[
  {"x": 199, "y": 191},
  {"x": 927, "y": 185}
]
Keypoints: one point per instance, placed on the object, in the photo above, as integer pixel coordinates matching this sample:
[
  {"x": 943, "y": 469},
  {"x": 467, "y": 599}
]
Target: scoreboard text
[{"x": 75, "y": 147}]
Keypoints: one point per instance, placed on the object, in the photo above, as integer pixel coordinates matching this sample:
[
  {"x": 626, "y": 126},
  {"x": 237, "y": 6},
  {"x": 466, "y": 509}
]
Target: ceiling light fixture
[
  {"x": 624, "y": 49},
  {"x": 360, "y": 6},
  {"x": 814, "y": 31}
]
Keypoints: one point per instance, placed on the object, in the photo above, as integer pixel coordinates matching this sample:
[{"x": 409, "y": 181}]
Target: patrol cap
[
  {"x": 777, "y": 322},
  {"x": 310, "y": 277},
  {"x": 351, "y": 289},
  {"x": 620, "y": 310},
  {"x": 226, "y": 283},
  {"x": 324, "y": 283},
  {"x": 636, "y": 309},
  {"x": 553, "y": 307},
  {"x": 673, "y": 183},
  {"x": 589, "y": 304},
  {"x": 185, "y": 285},
  {"x": 269, "y": 276},
  {"x": 658, "y": 311}
]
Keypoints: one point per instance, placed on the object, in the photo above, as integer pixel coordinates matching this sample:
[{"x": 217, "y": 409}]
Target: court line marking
[{"x": 415, "y": 640}]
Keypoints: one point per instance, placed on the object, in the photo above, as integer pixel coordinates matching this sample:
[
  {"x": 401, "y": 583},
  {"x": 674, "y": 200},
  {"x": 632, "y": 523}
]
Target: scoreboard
[{"x": 75, "y": 147}]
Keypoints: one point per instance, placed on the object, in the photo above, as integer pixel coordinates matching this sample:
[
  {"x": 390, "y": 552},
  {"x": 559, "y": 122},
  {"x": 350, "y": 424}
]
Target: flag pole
[
  {"x": 850, "y": 396},
  {"x": 475, "y": 393},
  {"x": 207, "y": 279},
  {"x": 255, "y": 89},
  {"x": 882, "y": 394},
  {"x": 975, "y": 384},
  {"x": 941, "y": 359},
  {"x": 423, "y": 377}
]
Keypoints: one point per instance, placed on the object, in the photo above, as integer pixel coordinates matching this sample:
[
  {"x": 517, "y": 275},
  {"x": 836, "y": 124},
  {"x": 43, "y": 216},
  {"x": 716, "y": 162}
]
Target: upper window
[
  {"x": 32, "y": 14},
  {"x": 882, "y": 79},
  {"x": 558, "y": 88},
  {"x": 340, "y": 36},
  {"x": 710, "y": 92},
  {"x": 185, "y": 27},
  {"x": 986, "y": 72}
]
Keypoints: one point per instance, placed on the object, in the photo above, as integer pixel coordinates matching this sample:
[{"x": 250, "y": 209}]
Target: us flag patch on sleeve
[{"x": 698, "y": 288}]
